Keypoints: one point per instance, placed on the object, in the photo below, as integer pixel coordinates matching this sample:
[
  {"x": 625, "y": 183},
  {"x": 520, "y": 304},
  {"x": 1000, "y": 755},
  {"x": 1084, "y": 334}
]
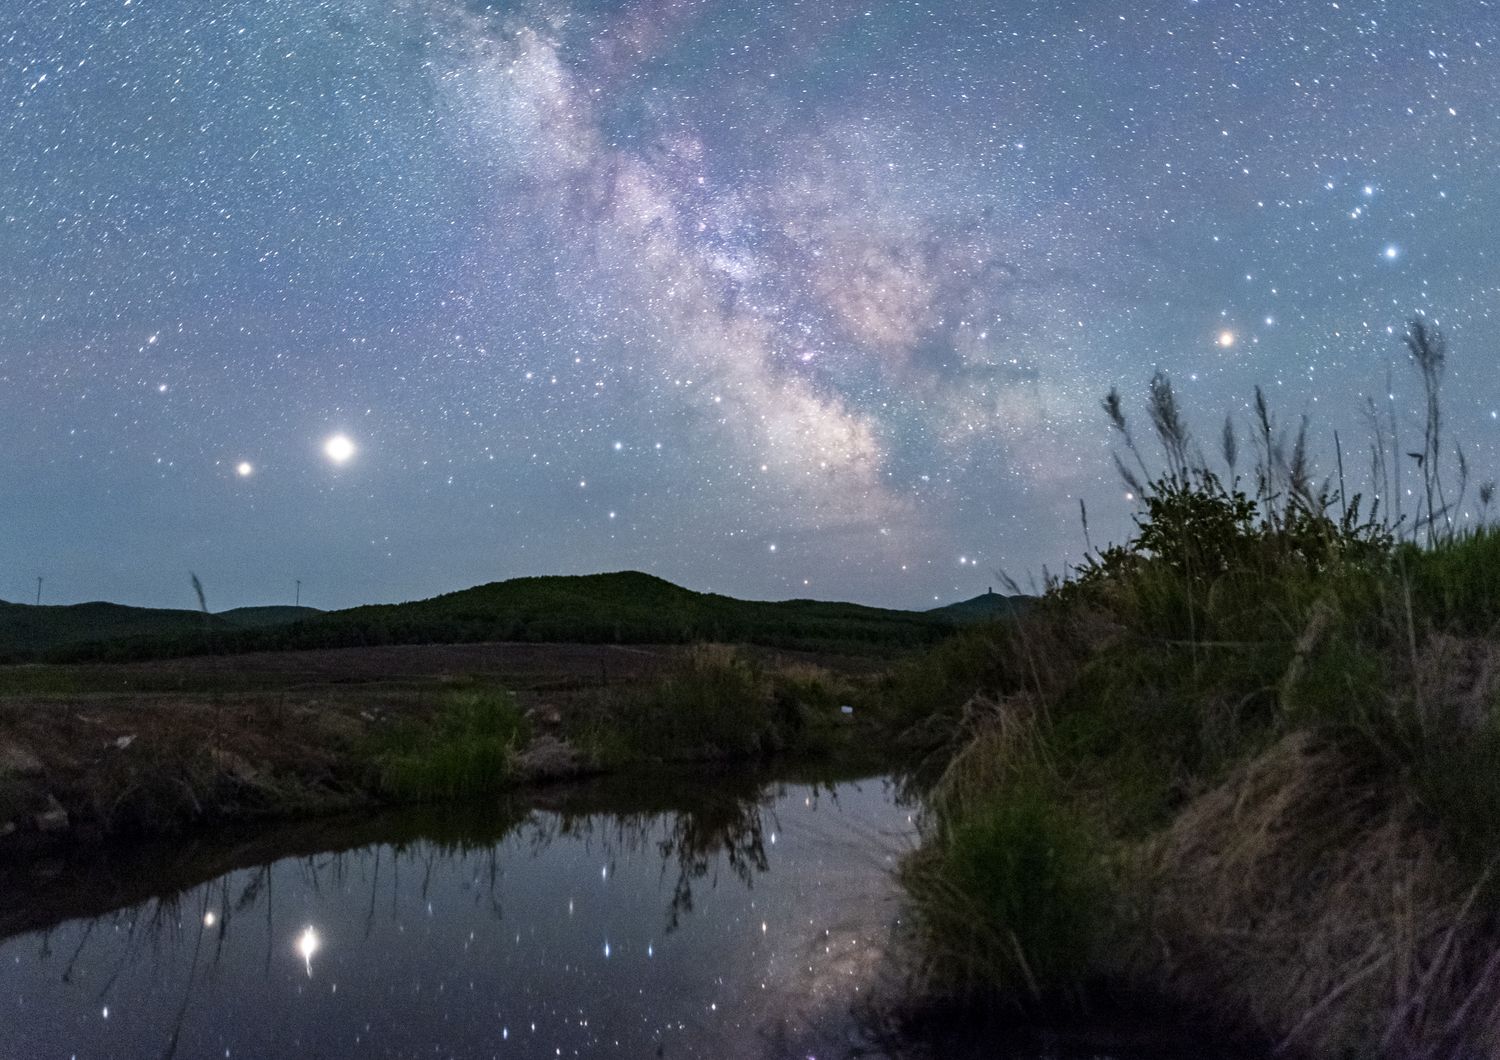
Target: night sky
[{"x": 776, "y": 299}]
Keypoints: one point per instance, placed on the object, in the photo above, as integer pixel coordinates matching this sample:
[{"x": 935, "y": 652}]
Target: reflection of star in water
[{"x": 307, "y": 945}]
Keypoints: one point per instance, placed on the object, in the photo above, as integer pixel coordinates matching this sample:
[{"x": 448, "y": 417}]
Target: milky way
[{"x": 775, "y": 299}]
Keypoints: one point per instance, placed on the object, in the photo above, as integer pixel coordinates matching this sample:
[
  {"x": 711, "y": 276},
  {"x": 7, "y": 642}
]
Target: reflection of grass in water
[
  {"x": 258, "y": 910},
  {"x": 728, "y": 827}
]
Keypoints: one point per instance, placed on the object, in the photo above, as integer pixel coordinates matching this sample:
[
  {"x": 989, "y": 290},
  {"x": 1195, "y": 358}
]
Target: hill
[
  {"x": 985, "y": 607},
  {"x": 622, "y": 607},
  {"x": 27, "y": 629},
  {"x": 275, "y": 615}
]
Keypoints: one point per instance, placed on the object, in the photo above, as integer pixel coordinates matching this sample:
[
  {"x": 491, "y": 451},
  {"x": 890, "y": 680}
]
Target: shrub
[
  {"x": 711, "y": 700},
  {"x": 465, "y": 752}
]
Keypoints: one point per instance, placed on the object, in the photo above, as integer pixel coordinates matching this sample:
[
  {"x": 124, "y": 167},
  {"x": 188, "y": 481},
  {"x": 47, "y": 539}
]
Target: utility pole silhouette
[{"x": 38, "y": 590}]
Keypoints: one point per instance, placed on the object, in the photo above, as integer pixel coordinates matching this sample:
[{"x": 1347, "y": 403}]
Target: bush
[
  {"x": 465, "y": 752},
  {"x": 712, "y": 701}
]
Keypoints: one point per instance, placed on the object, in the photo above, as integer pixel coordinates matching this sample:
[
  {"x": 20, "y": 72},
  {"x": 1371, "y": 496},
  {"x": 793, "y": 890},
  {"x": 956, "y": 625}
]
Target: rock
[
  {"x": 53, "y": 819},
  {"x": 548, "y": 758},
  {"x": 124, "y": 741},
  {"x": 18, "y": 762}
]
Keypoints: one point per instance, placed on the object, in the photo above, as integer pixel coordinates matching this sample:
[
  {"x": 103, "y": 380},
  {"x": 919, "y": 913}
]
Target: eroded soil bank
[{"x": 141, "y": 751}]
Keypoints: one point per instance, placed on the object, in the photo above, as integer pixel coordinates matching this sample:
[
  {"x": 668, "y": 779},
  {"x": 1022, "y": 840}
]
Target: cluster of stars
[{"x": 850, "y": 277}]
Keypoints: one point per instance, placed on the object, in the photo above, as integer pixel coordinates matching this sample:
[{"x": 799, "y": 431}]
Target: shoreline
[{"x": 177, "y": 748}]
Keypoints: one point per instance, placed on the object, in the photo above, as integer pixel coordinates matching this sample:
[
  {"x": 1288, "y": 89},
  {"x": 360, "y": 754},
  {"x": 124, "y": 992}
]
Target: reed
[{"x": 1261, "y": 734}]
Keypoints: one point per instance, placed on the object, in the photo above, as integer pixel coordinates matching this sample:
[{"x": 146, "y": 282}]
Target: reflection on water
[{"x": 747, "y": 925}]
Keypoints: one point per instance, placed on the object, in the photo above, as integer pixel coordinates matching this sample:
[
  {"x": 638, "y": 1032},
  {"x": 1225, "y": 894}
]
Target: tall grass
[
  {"x": 712, "y": 703},
  {"x": 1263, "y": 729},
  {"x": 715, "y": 702},
  {"x": 467, "y": 750}
]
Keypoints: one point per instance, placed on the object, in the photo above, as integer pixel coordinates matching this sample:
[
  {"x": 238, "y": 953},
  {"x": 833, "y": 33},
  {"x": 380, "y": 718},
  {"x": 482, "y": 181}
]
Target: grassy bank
[
  {"x": 1247, "y": 760},
  {"x": 108, "y": 752}
]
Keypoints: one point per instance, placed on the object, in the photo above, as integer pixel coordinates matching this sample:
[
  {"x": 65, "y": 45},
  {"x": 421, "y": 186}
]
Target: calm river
[
  {"x": 602, "y": 922},
  {"x": 747, "y": 926}
]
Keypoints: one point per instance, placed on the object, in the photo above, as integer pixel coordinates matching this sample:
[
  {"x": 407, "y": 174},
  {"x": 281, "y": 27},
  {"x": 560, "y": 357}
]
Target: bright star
[
  {"x": 339, "y": 449},
  {"x": 1226, "y": 338},
  {"x": 244, "y": 469},
  {"x": 1392, "y": 252}
]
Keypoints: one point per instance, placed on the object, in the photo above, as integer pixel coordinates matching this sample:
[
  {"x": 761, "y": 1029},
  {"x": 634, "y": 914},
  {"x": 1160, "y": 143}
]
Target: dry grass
[{"x": 1307, "y": 897}]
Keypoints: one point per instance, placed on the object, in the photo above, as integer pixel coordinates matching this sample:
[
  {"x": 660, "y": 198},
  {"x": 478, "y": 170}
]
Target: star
[
  {"x": 339, "y": 449},
  {"x": 883, "y": 315}
]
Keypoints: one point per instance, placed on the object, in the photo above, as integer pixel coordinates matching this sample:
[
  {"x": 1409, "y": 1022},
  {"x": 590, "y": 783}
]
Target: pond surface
[
  {"x": 723, "y": 916},
  {"x": 746, "y": 926}
]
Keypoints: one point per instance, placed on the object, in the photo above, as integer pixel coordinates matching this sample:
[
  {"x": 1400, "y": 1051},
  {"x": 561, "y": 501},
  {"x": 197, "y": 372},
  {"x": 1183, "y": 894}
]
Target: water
[
  {"x": 611, "y": 923},
  {"x": 718, "y": 915}
]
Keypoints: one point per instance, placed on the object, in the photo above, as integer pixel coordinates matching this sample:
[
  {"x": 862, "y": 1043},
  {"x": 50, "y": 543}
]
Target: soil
[{"x": 95, "y": 752}]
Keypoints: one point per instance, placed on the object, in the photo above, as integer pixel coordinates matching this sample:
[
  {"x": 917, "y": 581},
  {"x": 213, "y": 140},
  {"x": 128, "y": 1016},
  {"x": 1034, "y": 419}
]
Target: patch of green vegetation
[
  {"x": 716, "y": 702},
  {"x": 1456, "y": 582},
  {"x": 1012, "y": 898},
  {"x": 807, "y": 705},
  {"x": 61, "y": 681},
  {"x": 1124, "y": 753},
  {"x": 466, "y": 751}
]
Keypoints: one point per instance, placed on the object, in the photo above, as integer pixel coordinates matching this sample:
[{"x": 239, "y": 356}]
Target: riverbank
[
  {"x": 1247, "y": 762},
  {"x": 98, "y": 754}
]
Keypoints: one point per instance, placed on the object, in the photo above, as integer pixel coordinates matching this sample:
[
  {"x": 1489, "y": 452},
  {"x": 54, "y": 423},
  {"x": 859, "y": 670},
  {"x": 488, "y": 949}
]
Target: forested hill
[
  {"x": 27, "y": 629},
  {"x": 623, "y": 607}
]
